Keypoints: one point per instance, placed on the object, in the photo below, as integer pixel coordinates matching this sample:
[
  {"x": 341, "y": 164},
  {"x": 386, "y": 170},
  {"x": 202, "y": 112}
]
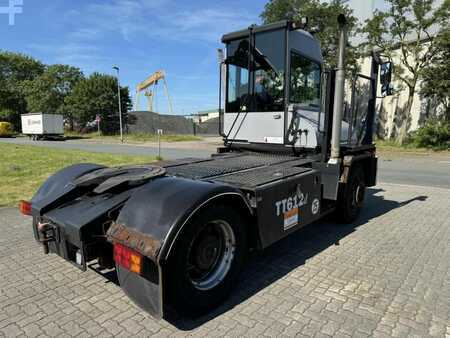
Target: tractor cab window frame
[
  {"x": 268, "y": 71},
  {"x": 306, "y": 94},
  {"x": 255, "y": 72},
  {"x": 237, "y": 76}
]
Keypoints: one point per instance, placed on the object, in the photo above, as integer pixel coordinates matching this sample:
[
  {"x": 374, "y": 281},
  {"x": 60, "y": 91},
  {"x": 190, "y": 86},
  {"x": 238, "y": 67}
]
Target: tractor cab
[
  {"x": 278, "y": 96},
  {"x": 272, "y": 72}
]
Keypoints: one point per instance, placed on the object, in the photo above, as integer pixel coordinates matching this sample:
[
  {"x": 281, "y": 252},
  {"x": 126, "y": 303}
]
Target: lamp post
[{"x": 120, "y": 105}]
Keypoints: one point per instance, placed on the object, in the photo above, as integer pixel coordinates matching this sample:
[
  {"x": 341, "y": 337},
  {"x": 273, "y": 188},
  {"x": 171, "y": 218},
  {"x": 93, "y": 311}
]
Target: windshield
[
  {"x": 265, "y": 92},
  {"x": 269, "y": 71}
]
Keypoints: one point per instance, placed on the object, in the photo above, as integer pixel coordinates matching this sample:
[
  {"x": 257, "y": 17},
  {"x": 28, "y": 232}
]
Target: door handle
[{"x": 277, "y": 116}]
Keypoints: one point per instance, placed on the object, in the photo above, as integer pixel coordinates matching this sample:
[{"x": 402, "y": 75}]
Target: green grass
[
  {"x": 137, "y": 137},
  {"x": 389, "y": 146},
  {"x": 24, "y": 168}
]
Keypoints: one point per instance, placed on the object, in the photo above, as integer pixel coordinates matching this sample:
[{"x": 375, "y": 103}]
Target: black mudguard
[
  {"x": 152, "y": 218},
  {"x": 58, "y": 186}
]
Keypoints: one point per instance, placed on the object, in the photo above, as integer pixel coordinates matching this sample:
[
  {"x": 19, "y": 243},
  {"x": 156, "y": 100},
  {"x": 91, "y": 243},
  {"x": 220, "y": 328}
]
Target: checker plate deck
[{"x": 247, "y": 170}]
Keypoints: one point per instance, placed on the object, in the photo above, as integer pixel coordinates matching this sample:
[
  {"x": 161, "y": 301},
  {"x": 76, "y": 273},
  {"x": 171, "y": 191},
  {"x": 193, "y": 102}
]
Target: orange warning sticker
[{"x": 290, "y": 218}]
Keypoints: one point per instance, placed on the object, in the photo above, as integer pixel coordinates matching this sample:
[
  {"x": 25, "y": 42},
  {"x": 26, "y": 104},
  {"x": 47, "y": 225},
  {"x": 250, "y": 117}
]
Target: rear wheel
[
  {"x": 351, "y": 196},
  {"x": 207, "y": 260}
]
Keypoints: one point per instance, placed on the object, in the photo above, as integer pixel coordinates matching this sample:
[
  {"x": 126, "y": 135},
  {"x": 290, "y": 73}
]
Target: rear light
[
  {"x": 25, "y": 207},
  {"x": 128, "y": 258}
]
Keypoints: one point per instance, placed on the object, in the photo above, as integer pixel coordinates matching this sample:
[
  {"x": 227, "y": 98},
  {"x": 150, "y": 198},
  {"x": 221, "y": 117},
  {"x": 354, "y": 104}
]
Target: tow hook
[{"x": 46, "y": 234}]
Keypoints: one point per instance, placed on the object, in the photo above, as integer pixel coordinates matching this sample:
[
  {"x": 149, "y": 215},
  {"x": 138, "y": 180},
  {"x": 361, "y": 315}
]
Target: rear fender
[
  {"x": 58, "y": 186},
  {"x": 150, "y": 222},
  {"x": 161, "y": 208}
]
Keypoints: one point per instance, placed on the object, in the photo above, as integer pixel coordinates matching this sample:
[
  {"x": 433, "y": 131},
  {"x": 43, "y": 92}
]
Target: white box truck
[{"x": 40, "y": 125}]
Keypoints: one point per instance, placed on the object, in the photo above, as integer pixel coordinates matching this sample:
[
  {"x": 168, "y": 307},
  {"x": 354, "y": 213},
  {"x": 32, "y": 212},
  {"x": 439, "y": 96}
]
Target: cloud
[
  {"x": 206, "y": 24},
  {"x": 91, "y": 26},
  {"x": 160, "y": 19}
]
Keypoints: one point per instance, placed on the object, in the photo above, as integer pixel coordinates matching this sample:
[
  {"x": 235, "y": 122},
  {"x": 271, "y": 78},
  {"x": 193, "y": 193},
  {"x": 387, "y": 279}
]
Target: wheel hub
[
  {"x": 207, "y": 252},
  {"x": 211, "y": 254}
]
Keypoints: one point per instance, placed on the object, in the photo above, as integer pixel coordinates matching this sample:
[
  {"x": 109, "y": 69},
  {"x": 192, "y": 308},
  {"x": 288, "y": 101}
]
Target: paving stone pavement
[{"x": 388, "y": 275}]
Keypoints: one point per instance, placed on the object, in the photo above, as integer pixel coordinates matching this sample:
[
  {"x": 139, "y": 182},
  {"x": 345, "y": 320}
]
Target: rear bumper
[{"x": 55, "y": 239}]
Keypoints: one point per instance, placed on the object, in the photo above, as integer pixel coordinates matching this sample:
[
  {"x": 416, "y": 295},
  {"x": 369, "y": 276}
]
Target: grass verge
[
  {"x": 387, "y": 146},
  {"x": 137, "y": 138},
  {"x": 24, "y": 168}
]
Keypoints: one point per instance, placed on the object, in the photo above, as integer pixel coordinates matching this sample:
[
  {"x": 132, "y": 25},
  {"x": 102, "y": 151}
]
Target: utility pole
[{"x": 120, "y": 105}]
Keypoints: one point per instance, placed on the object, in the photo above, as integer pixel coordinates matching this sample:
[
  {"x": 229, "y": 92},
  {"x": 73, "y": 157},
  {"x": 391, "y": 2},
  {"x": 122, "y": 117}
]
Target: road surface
[
  {"x": 116, "y": 148},
  {"x": 393, "y": 168},
  {"x": 387, "y": 275}
]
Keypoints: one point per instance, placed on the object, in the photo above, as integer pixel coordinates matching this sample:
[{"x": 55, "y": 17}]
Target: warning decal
[{"x": 290, "y": 218}]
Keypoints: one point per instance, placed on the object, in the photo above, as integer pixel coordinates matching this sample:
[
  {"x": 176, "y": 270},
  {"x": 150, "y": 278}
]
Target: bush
[
  {"x": 434, "y": 134},
  {"x": 6, "y": 129}
]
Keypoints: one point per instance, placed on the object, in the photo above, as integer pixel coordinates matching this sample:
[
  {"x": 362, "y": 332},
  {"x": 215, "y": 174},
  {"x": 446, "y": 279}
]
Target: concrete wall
[
  {"x": 209, "y": 127},
  {"x": 150, "y": 122}
]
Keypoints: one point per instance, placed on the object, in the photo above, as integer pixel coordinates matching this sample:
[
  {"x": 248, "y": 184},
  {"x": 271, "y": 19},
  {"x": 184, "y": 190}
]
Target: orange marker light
[
  {"x": 135, "y": 263},
  {"x": 25, "y": 207}
]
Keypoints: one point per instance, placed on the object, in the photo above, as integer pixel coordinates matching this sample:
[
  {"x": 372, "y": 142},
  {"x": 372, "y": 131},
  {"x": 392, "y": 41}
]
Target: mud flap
[
  {"x": 146, "y": 289},
  {"x": 147, "y": 294}
]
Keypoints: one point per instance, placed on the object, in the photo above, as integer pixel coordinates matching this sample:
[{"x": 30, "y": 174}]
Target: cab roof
[{"x": 299, "y": 39}]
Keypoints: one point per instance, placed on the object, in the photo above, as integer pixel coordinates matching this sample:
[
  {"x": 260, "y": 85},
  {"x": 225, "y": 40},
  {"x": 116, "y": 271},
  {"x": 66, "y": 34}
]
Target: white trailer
[{"x": 40, "y": 125}]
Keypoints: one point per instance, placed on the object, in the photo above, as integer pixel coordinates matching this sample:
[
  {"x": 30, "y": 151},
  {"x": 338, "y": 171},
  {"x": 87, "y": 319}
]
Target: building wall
[
  {"x": 203, "y": 116},
  {"x": 388, "y": 106}
]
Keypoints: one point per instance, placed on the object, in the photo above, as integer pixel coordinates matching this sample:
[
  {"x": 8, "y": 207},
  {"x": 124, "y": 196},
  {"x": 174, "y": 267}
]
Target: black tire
[
  {"x": 183, "y": 295},
  {"x": 351, "y": 196}
]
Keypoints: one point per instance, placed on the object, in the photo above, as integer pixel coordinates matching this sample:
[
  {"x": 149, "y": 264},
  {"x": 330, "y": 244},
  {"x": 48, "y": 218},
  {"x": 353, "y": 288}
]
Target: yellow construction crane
[{"x": 148, "y": 86}]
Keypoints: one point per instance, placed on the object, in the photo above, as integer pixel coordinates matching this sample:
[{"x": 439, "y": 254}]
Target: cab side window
[{"x": 304, "y": 82}]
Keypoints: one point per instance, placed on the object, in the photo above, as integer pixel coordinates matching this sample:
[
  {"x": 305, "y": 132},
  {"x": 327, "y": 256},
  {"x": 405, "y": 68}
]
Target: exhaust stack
[{"x": 339, "y": 92}]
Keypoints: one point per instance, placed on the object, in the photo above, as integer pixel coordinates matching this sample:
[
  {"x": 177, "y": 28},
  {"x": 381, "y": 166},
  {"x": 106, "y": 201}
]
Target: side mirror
[{"x": 385, "y": 79}]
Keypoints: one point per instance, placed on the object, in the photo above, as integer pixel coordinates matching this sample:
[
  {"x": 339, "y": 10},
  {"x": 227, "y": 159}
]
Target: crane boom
[
  {"x": 152, "y": 79},
  {"x": 149, "y": 86}
]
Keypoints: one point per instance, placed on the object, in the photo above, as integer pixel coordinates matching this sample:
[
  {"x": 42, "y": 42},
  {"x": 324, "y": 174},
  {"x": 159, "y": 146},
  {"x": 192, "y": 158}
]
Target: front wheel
[
  {"x": 351, "y": 196},
  {"x": 207, "y": 259}
]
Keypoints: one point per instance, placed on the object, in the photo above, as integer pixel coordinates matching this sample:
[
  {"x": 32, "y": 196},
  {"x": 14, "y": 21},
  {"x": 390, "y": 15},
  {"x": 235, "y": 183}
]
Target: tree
[
  {"x": 46, "y": 92},
  {"x": 436, "y": 77},
  {"x": 97, "y": 95},
  {"x": 405, "y": 30},
  {"x": 14, "y": 70},
  {"x": 322, "y": 20}
]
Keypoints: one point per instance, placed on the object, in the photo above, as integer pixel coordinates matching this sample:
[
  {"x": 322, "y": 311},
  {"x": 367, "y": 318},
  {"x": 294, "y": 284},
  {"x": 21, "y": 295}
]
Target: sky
[{"x": 140, "y": 37}]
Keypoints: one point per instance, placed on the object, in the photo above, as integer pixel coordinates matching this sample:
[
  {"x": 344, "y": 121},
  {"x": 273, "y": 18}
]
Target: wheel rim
[{"x": 210, "y": 255}]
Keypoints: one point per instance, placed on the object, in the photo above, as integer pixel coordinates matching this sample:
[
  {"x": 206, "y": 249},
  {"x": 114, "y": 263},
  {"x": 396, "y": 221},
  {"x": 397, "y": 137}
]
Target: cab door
[{"x": 254, "y": 108}]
